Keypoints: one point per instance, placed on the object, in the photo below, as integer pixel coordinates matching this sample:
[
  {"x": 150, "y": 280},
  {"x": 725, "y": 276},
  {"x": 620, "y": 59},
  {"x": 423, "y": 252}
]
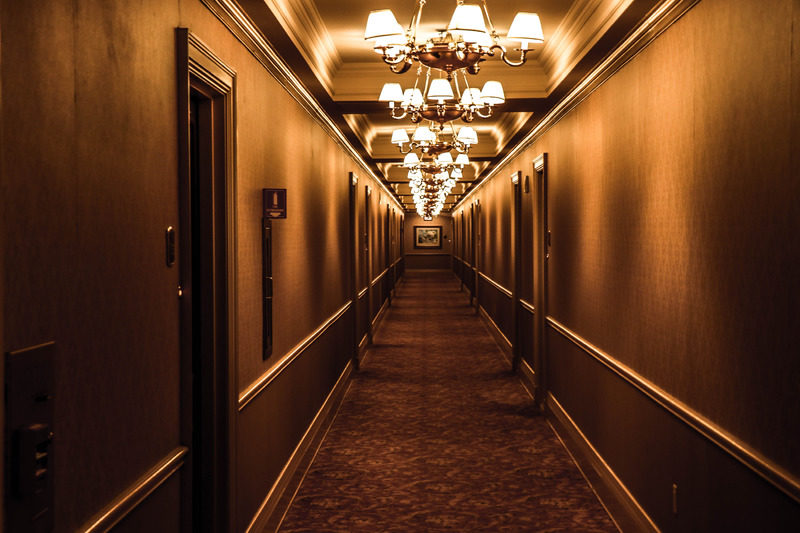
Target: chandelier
[
  {"x": 464, "y": 44},
  {"x": 430, "y": 191},
  {"x": 437, "y": 101},
  {"x": 435, "y": 141}
]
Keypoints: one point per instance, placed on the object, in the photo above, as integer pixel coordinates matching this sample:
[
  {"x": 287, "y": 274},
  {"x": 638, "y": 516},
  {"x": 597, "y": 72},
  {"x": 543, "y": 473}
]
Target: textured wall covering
[
  {"x": 89, "y": 185},
  {"x": 89, "y": 166},
  {"x": 672, "y": 206}
]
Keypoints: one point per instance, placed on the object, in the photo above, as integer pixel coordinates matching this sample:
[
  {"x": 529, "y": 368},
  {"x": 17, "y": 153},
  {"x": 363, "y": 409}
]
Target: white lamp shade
[
  {"x": 381, "y": 23},
  {"x": 477, "y": 37},
  {"x": 462, "y": 159},
  {"x": 412, "y": 97},
  {"x": 440, "y": 90},
  {"x": 467, "y": 135},
  {"x": 424, "y": 134},
  {"x": 442, "y": 176},
  {"x": 471, "y": 96},
  {"x": 391, "y": 92},
  {"x": 526, "y": 28},
  {"x": 399, "y": 136},
  {"x": 456, "y": 172},
  {"x": 410, "y": 159},
  {"x": 467, "y": 17},
  {"x": 444, "y": 158},
  {"x": 492, "y": 93}
]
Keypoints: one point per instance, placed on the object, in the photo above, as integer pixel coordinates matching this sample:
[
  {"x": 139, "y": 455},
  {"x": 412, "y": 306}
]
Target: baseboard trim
[
  {"x": 136, "y": 493},
  {"x": 527, "y": 376},
  {"x": 623, "y": 508},
  {"x": 497, "y": 333},
  {"x": 276, "y": 503}
]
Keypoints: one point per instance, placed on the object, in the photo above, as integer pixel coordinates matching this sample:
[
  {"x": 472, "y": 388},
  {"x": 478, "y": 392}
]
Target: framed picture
[{"x": 427, "y": 236}]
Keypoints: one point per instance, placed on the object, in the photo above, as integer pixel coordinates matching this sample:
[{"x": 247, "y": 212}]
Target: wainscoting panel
[
  {"x": 428, "y": 261},
  {"x": 497, "y": 303},
  {"x": 275, "y": 425},
  {"x": 363, "y": 316},
  {"x": 664, "y": 463},
  {"x": 525, "y": 314}
]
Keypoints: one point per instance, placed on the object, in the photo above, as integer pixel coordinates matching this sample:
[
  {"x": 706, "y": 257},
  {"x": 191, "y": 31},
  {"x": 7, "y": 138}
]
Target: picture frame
[{"x": 427, "y": 237}]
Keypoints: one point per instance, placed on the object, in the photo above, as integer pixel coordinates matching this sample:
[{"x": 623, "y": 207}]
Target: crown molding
[
  {"x": 232, "y": 16},
  {"x": 582, "y": 26},
  {"x": 306, "y": 28},
  {"x": 657, "y": 21}
]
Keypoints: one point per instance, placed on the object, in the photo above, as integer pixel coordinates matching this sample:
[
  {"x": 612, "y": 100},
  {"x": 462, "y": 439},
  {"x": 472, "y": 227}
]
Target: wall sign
[{"x": 274, "y": 203}]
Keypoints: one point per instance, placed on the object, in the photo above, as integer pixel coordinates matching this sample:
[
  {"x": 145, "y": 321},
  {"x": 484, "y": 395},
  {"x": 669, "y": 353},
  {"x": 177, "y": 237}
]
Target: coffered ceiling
[{"x": 323, "y": 42}]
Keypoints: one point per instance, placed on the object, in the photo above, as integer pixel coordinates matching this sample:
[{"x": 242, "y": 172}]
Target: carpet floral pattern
[{"x": 437, "y": 434}]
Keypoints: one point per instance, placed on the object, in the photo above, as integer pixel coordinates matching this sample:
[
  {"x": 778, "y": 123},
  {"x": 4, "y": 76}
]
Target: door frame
[
  {"x": 516, "y": 265},
  {"x": 541, "y": 254},
  {"x": 354, "y": 263},
  {"x": 201, "y": 71}
]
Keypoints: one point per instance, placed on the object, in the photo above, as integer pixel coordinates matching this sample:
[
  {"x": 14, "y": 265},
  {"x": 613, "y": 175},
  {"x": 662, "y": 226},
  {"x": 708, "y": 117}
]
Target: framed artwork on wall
[{"x": 427, "y": 236}]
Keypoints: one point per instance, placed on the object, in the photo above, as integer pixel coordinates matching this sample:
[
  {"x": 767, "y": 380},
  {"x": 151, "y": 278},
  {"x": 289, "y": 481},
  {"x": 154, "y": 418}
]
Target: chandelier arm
[
  {"x": 396, "y": 116},
  {"x": 401, "y": 68},
  {"x": 488, "y": 113},
  {"x": 504, "y": 56},
  {"x": 391, "y": 62},
  {"x": 468, "y": 116}
]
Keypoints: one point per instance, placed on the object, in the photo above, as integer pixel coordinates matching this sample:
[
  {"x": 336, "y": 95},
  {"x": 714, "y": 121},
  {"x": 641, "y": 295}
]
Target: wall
[
  {"x": 671, "y": 201},
  {"x": 421, "y": 258},
  {"x": 89, "y": 166}
]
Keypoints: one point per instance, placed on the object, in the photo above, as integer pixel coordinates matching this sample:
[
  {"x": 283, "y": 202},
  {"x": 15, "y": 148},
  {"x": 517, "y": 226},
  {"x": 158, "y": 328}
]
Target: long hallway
[{"x": 437, "y": 434}]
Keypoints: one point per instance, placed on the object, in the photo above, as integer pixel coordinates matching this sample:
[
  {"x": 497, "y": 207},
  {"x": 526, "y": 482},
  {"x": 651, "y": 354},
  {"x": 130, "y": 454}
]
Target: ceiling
[{"x": 323, "y": 42}]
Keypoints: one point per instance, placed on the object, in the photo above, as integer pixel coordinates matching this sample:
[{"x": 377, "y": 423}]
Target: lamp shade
[
  {"x": 424, "y": 134},
  {"x": 444, "y": 158},
  {"x": 440, "y": 90},
  {"x": 456, "y": 172},
  {"x": 399, "y": 136},
  {"x": 412, "y": 97},
  {"x": 467, "y": 135},
  {"x": 391, "y": 92},
  {"x": 526, "y": 28},
  {"x": 467, "y": 17},
  {"x": 477, "y": 37},
  {"x": 462, "y": 159},
  {"x": 492, "y": 93},
  {"x": 471, "y": 96},
  {"x": 381, "y": 23},
  {"x": 410, "y": 159}
]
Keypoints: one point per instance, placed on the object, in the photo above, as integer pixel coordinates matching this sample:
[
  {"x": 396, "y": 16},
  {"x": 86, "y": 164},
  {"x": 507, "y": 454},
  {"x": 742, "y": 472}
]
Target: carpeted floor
[{"x": 436, "y": 434}]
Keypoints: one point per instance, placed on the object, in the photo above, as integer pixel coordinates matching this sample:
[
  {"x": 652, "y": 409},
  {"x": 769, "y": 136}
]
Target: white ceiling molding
[
  {"x": 307, "y": 30},
  {"x": 584, "y": 24}
]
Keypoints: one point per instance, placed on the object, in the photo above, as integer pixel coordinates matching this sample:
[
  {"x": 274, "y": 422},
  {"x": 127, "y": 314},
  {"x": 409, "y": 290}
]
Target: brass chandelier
[
  {"x": 467, "y": 41},
  {"x": 437, "y": 101}
]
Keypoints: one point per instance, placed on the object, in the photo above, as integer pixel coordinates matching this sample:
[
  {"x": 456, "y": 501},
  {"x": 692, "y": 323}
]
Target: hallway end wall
[{"x": 435, "y": 258}]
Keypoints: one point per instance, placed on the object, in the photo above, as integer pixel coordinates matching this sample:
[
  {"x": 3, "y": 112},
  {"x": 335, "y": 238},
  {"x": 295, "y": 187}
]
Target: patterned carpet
[{"x": 436, "y": 434}]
